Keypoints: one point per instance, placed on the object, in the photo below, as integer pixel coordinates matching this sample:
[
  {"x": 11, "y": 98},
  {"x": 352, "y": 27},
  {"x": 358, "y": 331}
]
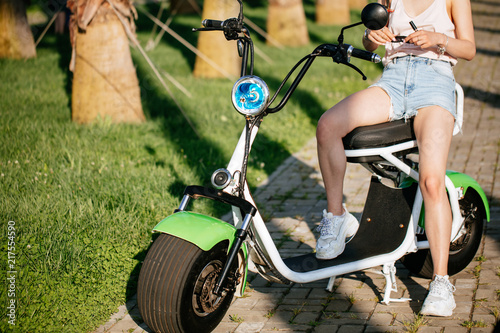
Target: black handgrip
[
  {"x": 212, "y": 24},
  {"x": 365, "y": 55}
]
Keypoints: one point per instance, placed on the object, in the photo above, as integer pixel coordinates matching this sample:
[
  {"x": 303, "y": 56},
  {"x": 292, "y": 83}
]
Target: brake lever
[
  {"x": 356, "y": 69},
  {"x": 341, "y": 57}
]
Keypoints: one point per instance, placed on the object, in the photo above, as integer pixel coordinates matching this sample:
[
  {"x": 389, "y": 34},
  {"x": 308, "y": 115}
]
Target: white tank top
[{"x": 434, "y": 18}]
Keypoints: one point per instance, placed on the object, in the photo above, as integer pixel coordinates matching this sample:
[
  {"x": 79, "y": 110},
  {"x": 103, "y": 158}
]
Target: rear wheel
[
  {"x": 175, "y": 286},
  {"x": 463, "y": 250}
]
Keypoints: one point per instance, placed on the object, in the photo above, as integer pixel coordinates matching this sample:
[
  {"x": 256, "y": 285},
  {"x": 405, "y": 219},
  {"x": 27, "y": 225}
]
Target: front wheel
[
  {"x": 175, "y": 286},
  {"x": 463, "y": 250}
]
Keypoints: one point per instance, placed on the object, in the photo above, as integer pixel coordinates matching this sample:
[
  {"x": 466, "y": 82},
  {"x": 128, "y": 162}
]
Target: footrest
[{"x": 379, "y": 233}]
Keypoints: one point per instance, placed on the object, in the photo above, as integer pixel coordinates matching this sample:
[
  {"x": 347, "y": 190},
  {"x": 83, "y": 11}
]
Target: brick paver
[{"x": 293, "y": 198}]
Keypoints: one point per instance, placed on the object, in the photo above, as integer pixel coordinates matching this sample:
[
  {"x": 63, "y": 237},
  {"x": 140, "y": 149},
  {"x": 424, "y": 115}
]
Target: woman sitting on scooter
[{"x": 417, "y": 82}]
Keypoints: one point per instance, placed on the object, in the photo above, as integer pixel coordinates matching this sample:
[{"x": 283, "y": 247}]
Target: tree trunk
[
  {"x": 184, "y": 7},
  {"x": 357, "y": 4},
  {"x": 332, "y": 12},
  {"x": 16, "y": 39},
  {"x": 105, "y": 81},
  {"x": 214, "y": 45},
  {"x": 286, "y": 22}
]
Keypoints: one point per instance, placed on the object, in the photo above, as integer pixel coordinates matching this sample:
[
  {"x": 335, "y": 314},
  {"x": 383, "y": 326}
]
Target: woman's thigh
[
  {"x": 434, "y": 130},
  {"x": 366, "y": 107}
]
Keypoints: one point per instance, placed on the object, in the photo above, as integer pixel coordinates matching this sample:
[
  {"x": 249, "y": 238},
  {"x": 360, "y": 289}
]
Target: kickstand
[
  {"x": 331, "y": 282},
  {"x": 389, "y": 272}
]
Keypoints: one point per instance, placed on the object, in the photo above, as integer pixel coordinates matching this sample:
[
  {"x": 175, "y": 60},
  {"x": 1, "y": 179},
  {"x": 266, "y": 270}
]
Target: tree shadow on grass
[{"x": 62, "y": 44}]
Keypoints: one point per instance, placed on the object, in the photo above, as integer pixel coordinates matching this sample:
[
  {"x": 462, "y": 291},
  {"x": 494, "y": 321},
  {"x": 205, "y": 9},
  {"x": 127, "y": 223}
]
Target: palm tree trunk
[
  {"x": 104, "y": 78},
  {"x": 214, "y": 45},
  {"x": 357, "y": 4},
  {"x": 184, "y": 7},
  {"x": 16, "y": 39},
  {"x": 332, "y": 12},
  {"x": 286, "y": 22}
]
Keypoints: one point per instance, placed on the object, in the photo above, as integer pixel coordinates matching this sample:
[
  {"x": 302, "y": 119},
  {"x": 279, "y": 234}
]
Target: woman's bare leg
[
  {"x": 434, "y": 130},
  {"x": 367, "y": 107}
]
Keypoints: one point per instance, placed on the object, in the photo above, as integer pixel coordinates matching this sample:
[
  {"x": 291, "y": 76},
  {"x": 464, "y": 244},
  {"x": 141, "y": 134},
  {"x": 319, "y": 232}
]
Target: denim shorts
[{"x": 416, "y": 82}]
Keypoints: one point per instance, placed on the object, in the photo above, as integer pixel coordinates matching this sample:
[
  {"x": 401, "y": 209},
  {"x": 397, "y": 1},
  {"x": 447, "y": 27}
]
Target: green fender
[
  {"x": 201, "y": 230},
  {"x": 204, "y": 232},
  {"x": 466, "y": 182}
]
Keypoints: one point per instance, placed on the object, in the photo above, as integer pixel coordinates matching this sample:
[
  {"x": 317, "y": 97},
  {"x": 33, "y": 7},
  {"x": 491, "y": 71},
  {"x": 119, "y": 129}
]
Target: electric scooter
[{"x": 199, "y": 263}]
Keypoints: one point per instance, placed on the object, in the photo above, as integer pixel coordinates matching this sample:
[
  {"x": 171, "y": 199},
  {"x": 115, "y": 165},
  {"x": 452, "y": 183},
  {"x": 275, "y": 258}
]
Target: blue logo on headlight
[{"x": 250, "y": 95}]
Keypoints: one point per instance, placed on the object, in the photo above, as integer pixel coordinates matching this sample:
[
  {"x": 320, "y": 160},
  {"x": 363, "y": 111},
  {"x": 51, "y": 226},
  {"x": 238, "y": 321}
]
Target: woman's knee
[
  {"x": 432, "y": 186},
  {"x": 326, "y": 131}
]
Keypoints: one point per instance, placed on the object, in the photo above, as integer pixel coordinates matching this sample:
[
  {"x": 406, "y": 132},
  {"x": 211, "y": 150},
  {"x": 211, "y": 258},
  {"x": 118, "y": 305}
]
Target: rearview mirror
[{"x": 374, "y": 16}]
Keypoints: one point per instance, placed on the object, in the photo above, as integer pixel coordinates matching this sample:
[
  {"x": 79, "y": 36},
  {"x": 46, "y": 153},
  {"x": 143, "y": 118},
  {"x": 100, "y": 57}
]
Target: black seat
[
  {"x": 380, "y": 135},
  {"x": 377, "y": 136}
]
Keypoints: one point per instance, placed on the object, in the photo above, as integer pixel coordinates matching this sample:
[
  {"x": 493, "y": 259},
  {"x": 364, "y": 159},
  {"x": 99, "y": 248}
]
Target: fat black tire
[
  {"x": 463, "y": 250},
  {"x": 175, "y": 283}
]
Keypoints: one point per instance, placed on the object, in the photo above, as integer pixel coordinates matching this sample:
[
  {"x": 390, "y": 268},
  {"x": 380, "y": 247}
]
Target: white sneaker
[
  {"x": 334, "y": 231},
  {"x": 440, "y": 301}
]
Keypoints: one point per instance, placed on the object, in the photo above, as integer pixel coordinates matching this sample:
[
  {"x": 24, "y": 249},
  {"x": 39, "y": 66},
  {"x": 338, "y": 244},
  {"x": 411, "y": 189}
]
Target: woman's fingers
[
  {"x": 381, "y": 36},
  {"x": 422, "y": 38}
]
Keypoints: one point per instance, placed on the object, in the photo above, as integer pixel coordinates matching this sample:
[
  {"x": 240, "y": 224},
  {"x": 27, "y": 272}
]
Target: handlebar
[
  {"x": 233, "y": 28},
  {"x": 343, "y": 52},
  {"x": 364, "y": 55},
  {"x": 340, "y": 54},
  {"x": 215, "y": 24}
]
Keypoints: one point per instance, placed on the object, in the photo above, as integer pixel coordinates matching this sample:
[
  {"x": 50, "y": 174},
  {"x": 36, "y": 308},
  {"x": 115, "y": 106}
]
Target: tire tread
[{"x": 162, "y": 261}]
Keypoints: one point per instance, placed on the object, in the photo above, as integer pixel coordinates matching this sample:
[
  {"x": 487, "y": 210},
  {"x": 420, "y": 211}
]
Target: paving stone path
[{"x": 293, "y": 198}]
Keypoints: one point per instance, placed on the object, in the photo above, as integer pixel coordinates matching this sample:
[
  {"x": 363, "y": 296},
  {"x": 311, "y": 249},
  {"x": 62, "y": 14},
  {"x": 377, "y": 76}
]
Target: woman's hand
[
  {"x": 426, "y": 39},
  {"x": 380, "y": 37}
]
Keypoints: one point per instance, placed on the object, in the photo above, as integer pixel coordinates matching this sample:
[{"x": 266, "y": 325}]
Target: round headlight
[{"x": 250, "y": 95}]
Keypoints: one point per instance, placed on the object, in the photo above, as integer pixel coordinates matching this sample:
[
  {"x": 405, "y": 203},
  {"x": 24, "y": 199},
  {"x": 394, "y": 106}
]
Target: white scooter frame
[{"x": 410, "y": 243}]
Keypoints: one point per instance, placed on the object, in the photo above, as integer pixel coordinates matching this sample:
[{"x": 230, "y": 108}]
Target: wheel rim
[
  {"x": 466, "y": 230},
  {"x": 203, "y": 299},
  {"x": 462, "y": 241}
]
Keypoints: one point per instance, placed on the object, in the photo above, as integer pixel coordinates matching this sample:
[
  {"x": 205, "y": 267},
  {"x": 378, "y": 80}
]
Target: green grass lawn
[{"x": 84, "y": 199}]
